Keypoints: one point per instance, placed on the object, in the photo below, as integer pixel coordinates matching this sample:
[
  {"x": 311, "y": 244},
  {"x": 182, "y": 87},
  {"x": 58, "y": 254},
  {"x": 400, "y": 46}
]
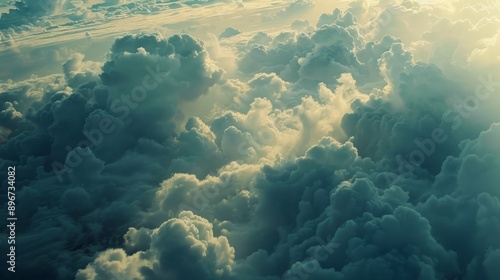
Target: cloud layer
[{"x": 347, "y": 148}]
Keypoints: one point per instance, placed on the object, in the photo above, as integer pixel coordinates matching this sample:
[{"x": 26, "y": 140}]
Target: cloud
[
  {"x": 76, "y": 135},
  {"x": 229, "y": 32},
  {"x": 183, "y": 247},
  {"x": 346, "y": 148},
  {"x": 295, "y": 7},
  {"x": 28, "y": 11},
  {"x": 78, "y": 73},
  {"x": 177, "y": 68},
  {"x": 301, "y": 24}
]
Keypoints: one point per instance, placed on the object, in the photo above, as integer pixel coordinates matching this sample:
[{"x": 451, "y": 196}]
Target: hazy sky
[
  {"x": 252, "y": 140},
  {"x": 92, "y": 30}
]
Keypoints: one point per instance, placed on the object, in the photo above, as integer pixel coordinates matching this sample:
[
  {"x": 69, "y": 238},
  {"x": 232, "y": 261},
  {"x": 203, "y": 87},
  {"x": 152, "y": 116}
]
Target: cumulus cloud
[
  {"x": 344, "y": 148},
  {"x": 72, "y": 134},
  {"x": 229, "y": 32},
  {"x": 77, "y": 72},
  {"x": 181, "y": 248}
]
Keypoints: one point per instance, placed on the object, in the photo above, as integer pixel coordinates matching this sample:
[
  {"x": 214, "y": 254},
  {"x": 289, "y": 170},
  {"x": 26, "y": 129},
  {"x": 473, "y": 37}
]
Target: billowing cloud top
[{"x": 361, "y": 143}]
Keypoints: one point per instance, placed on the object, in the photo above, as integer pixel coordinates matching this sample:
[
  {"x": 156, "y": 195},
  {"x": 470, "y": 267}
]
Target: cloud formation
[{"x": 345, "y": 148}]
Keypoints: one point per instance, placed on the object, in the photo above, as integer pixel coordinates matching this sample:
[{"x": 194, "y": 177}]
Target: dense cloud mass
[{"x": 361, "y": 146}]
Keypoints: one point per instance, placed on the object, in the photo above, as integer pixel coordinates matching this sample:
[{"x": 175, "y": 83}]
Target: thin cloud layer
[{"x": 346, "y": 148}]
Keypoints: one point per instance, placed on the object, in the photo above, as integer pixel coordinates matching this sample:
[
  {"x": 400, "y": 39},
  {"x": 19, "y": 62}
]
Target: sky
[{"x": 250, "y": 139}]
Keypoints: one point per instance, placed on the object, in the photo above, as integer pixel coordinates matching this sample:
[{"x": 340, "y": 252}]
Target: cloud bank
[{"x": 349, "y": 148}]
